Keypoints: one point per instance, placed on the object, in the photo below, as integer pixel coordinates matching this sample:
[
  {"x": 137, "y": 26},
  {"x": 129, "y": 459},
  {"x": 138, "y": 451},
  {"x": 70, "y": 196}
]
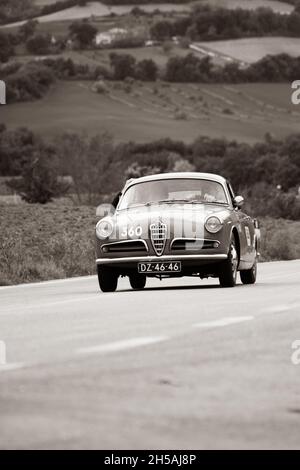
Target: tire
[
  {"x": 137, "y": 281},
  {"x": 248, "y": 276},
  {"x": 108, "y": 279},
  {"x": 228, "y": 272}
]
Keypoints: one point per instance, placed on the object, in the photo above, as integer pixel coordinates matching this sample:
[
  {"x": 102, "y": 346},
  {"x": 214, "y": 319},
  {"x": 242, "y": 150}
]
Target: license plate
[{"x": 160, "y": 267}]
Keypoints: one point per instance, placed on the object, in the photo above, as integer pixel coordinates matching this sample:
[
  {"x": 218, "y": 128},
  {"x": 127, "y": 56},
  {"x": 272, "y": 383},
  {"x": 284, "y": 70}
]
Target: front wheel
[
  {"x": 137, "y": 281},
  {"x": 108, "y": 279},
  {"x": 228, "y": 273},
  {"x": 248, "y": 276}
]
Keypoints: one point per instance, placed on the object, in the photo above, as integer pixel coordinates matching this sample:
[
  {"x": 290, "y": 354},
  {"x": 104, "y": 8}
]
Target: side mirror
[{"x": 238, "y": 201}]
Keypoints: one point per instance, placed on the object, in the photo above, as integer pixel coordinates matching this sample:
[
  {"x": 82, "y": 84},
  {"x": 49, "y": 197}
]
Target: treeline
[
  {"x": 97, "y": 165},
  {"x": 15, "y": 10},
  {"x": 272, "y": 68},
  {"x": 141, "y": 2},
  {"x": 207, "y": 23},
  {"x": 25, "y": 82}
]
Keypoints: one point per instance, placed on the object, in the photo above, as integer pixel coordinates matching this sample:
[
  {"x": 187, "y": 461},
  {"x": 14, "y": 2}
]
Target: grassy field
[
  {"x": 45, "y": 242},
  {"x": 148, "y": 111},
  {"x": 251, "y": 50},
  {"x": 42, "y": 3},
  {"x": 251, "y": 4},
  {"x": 57, "y": 241}
]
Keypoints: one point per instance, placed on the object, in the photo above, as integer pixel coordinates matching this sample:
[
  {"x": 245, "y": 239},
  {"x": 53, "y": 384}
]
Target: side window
[{"x": 116, "y": 199}]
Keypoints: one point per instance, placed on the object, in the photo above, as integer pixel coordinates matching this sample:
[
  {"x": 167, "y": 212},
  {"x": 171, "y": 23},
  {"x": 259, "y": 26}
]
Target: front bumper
[{"x": 190, "y": 259}]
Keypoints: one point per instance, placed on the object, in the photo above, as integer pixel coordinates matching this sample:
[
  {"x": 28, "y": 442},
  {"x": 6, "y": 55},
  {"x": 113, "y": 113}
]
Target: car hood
[{"x": 186, "y": 220}]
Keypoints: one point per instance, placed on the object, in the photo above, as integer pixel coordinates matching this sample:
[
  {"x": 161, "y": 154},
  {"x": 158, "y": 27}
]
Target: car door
[{"x": 246, "y": 233}]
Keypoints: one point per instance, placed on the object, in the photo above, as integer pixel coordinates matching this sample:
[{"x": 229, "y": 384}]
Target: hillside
[{"x": 148, "y": 111}]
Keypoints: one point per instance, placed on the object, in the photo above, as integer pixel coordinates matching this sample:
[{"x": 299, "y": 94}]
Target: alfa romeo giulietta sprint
[{"x": 174, "y": 225}]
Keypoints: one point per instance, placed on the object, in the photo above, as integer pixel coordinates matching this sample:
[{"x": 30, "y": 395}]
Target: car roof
[{"x": 177, "y": 175}]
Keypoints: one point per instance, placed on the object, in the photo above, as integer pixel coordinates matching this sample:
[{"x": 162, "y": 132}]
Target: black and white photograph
[{"x": 150, "y": 228}]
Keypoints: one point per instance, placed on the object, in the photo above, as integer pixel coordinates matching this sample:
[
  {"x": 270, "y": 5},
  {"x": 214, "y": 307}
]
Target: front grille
[
  {"x": 126, "y": 246},
  {"x": 190, "y": 244},
  {"x": 158, "y": 235}
]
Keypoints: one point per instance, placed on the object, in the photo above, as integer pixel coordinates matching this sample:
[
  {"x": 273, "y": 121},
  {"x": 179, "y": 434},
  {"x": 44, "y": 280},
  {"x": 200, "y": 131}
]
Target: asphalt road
[{"x": 182, "y": 364}]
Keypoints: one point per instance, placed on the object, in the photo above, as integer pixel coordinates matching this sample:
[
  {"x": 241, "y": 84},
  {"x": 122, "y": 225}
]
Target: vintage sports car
[{"x": 173, "y": 225}]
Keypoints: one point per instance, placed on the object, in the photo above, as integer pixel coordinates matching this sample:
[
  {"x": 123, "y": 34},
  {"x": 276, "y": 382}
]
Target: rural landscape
[{"x": 101, "y": 91}]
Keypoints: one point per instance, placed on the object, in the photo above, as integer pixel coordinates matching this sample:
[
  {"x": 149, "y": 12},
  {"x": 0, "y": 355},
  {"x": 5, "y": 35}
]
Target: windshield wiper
[
  {"x": 187, "y": 201},
  {"x": 173, "y": 201}
]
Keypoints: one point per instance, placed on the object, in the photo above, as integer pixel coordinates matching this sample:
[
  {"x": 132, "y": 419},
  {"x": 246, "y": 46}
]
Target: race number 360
[{"x": 131, "y": 231}]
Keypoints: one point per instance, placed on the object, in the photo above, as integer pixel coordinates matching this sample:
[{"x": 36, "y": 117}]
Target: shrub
[
  {"x": 28, "y": 82},
  {"x": 39, "y": 181},
  {"x": 100, "y": 87},
  {"x": 180, "y": 115},
  {"x": 279, "y": 240}
]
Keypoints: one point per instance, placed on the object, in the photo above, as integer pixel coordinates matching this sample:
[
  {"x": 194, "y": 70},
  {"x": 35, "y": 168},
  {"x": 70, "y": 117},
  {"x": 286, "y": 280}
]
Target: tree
[
  {"x": 28, "y": 29},
  {"x": 6, "y": 49},
  {"x": 83, "y": 32},
  {"x": 136, "y": 170},
  {"x": 14, "y": 10},
  {"x": 123, "y": 65},
  {"x": 183, "y": 165},
  {"x": 40, "y": 181},
  {"x": 16, "y": 147},
  {"x": 87, "y": 161},
  {"x": 162, "y": 30},
  {"x": 146, "y": 70},
  {"x": 39, "y": 44}
]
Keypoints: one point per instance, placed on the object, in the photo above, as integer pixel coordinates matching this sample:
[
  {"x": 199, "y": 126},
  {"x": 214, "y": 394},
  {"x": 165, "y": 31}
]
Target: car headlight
[
  {"x": 213, "y": 224},
  {"x": 104, "y": 229}
]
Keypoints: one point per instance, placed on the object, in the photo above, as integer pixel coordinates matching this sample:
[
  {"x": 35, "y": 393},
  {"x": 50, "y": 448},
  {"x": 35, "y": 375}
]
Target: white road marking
[
  {"x": 121, "y": 345},
  {"x": 281, "y": 308},
  {"x": 11, "y": 366},
  {"x": 42, "y": 306},
  {"x": 222, "y": 322},
  {"x": 45, "y": 283}
]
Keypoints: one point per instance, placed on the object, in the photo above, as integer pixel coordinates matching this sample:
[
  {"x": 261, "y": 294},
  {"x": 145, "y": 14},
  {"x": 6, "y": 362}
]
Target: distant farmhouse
[{"x": 108, "y": 37}]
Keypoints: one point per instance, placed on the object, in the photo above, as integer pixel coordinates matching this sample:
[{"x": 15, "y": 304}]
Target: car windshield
[{"x": 170, "y": 191}]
